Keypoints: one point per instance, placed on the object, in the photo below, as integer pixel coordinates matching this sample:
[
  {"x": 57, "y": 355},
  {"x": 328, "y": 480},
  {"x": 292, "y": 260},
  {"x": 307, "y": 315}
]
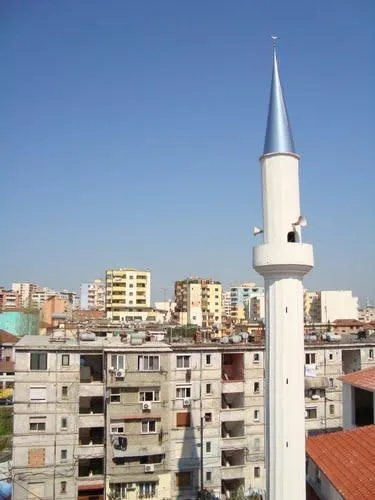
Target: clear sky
[{"x": 131, "y": 130}]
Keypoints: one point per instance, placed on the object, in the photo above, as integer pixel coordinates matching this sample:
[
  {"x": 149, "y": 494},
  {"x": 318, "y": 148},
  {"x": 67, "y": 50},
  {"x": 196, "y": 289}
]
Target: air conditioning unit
[
  {"x": 146, "y": 406},
  {"x": 149, "y": 468},
  {"x": 119, "y": 373},
  {"x": 186, "y": 402}
]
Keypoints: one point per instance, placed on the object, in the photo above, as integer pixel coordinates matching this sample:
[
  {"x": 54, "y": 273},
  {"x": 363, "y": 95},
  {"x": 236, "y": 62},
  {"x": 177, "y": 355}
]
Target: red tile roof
[
  {"x": 7, "y": 338},
  {"x": 363, "y": 379},
  {"x": 348, "y": 322},
  {"x": 347, "y": 458}
]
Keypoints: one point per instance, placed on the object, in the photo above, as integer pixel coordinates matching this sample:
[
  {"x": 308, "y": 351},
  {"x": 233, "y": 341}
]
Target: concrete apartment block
[{"x": 120, "y": 415}]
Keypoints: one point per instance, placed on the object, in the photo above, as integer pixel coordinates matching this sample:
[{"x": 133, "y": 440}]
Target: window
[
  {"x": 183, "y": 391},
  {"x": 330, "y": 356},
  {"x": 208, "y": 388},
  {"x": 310, "y": 358},
  {"x": 117, "y": 361},
  {"x": 331, "y": 383},
  {"x": 148, "y": 426},
  {"x": 152, "y": 395},
  {"x": 37, "y": 424},
  {"x": 63, "y": 485},
  {"x": 256, "y": 444},
  {"x": 208, "y": 446},
  {"x": 63, "y": 455},
  {"x": 117, "y": 427},
  {"x": 36, "y": 457},
  {"x": 38, "y": 394},
  {"x": 256, "y": 415},
  {"x": 38, "y": 361},
  {"x": 183, "y": 361},
  {"x": 208, "y": 476},
  {"x": 64, "y": 391},
  {"x": 148, "y": 363},
  {"x": 65, "y": 360},
  {"x": 256, "y": 471},
  {"x": 64, "y": 422},
  {"x": 183, "y": 479},
  {"x": 119, "y": 489},
  {"x": 256, "y": 357},
  {"x": 115, "y": 395},
  {"x": 147, "y": 490},
  {"x": 256, "y": 387},
  {"x": 311, "y": 413},
  {"x": 208, "y": 417},
  {"x": 331, "y": 409},
  {"x": 183, "y": 419},
  {"x": 208, "y": 359},
  {"x": 371, "y": 353}
]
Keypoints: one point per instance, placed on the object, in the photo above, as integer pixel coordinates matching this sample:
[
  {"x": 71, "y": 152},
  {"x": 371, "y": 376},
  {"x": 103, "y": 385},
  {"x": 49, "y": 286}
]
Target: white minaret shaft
[{"x": 283, "y": 260}]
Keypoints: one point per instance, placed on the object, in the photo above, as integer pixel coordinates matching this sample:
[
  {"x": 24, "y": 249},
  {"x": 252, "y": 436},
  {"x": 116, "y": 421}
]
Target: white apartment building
[
  {"x": 94, "y": 416},
  {"x": 329, "y": 306},
  {"x": 92, "y": 295},
  {"x": 226, "y": 303},
  {"x": 25, "y": 290},
  {"x": 247, "y": 302},
  {"x": 199, "y": 302},
  {"x": 367, "y": 314},
  {"x": 338, "y": 304},
  {"x": 40, "y": 295},
  {"x": 128, "y": 294}
]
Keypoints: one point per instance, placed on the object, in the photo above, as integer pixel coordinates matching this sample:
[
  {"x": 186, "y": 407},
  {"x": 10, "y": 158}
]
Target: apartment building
[
  {"x": 7, "y": 343},
  {"x": 199, "y": 302},
  {"x": 329, "y": 306},
  {"x": 92, "y": 295},
  {"x": 225, "y": 303},
  {"x": 25, "y": 291},
  {"x": 9, "y": 299},
  {"x": 247, "y": 302},
  {"x": 135, "y": 418},
  {"x": 128, "y": 294}
]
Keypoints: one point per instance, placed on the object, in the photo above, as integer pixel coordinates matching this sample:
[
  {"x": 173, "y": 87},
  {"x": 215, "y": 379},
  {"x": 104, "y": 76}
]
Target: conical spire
[{"x": 278, "y": 135}]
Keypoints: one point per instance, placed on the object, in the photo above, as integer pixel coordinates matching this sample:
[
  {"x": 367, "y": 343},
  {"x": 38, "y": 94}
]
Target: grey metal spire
[{"x": 278, "y": 135}]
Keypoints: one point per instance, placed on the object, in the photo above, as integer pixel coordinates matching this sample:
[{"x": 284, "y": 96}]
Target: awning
[
  {"x": 139, "y": 452},
  {"x": 91, "y": 486},
  {"x": 316, "y": 382}
]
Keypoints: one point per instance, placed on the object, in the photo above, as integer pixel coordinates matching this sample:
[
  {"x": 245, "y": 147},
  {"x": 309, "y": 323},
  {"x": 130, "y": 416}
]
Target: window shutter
[
  {"x": 183, "y": 419},
  {"x": 38, "y": 394}
]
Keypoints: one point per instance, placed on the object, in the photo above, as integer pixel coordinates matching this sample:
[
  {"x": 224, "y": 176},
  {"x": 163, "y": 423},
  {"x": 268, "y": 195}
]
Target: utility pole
[{"x": 201, "y": 464}]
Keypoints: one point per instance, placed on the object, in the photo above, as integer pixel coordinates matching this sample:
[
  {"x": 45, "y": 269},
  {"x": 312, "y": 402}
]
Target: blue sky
[{"x": 130, "y": 133}]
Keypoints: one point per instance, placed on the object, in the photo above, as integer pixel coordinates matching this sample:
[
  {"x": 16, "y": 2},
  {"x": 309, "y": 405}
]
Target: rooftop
[
  {"x": 347, "y": 458},
  {"x": 7, "y": 338},
  {"x": 363, "y": 379}
]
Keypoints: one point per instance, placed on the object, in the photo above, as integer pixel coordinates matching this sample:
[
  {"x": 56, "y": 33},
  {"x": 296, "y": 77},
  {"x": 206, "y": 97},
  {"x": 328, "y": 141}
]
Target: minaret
[{"x": 282, "y": 259}]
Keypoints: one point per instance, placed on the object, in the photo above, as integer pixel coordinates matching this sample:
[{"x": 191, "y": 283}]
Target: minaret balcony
[{"x": 291, "y": 258}]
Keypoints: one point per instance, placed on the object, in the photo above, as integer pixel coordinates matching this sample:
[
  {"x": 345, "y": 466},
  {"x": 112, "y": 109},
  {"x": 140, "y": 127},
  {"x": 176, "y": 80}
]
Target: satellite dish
[{"x": 257, "y": 230}]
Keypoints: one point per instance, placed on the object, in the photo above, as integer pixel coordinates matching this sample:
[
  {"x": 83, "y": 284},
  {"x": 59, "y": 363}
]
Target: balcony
[
  {"x": 90, "y": 467},
  {"x": 232, "y": 367},
  {"x": 231, "y": 430},
  {"x": 232, "y": 401},
  {"x": 90, "y": 405},
  {"x": 89, "y": 436},
  {"x": 233, "y": 458},
  {"x": 91, "y": 368},
  {"x": 91, "y": 420},
  {"x": 230, "y": 488}
]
